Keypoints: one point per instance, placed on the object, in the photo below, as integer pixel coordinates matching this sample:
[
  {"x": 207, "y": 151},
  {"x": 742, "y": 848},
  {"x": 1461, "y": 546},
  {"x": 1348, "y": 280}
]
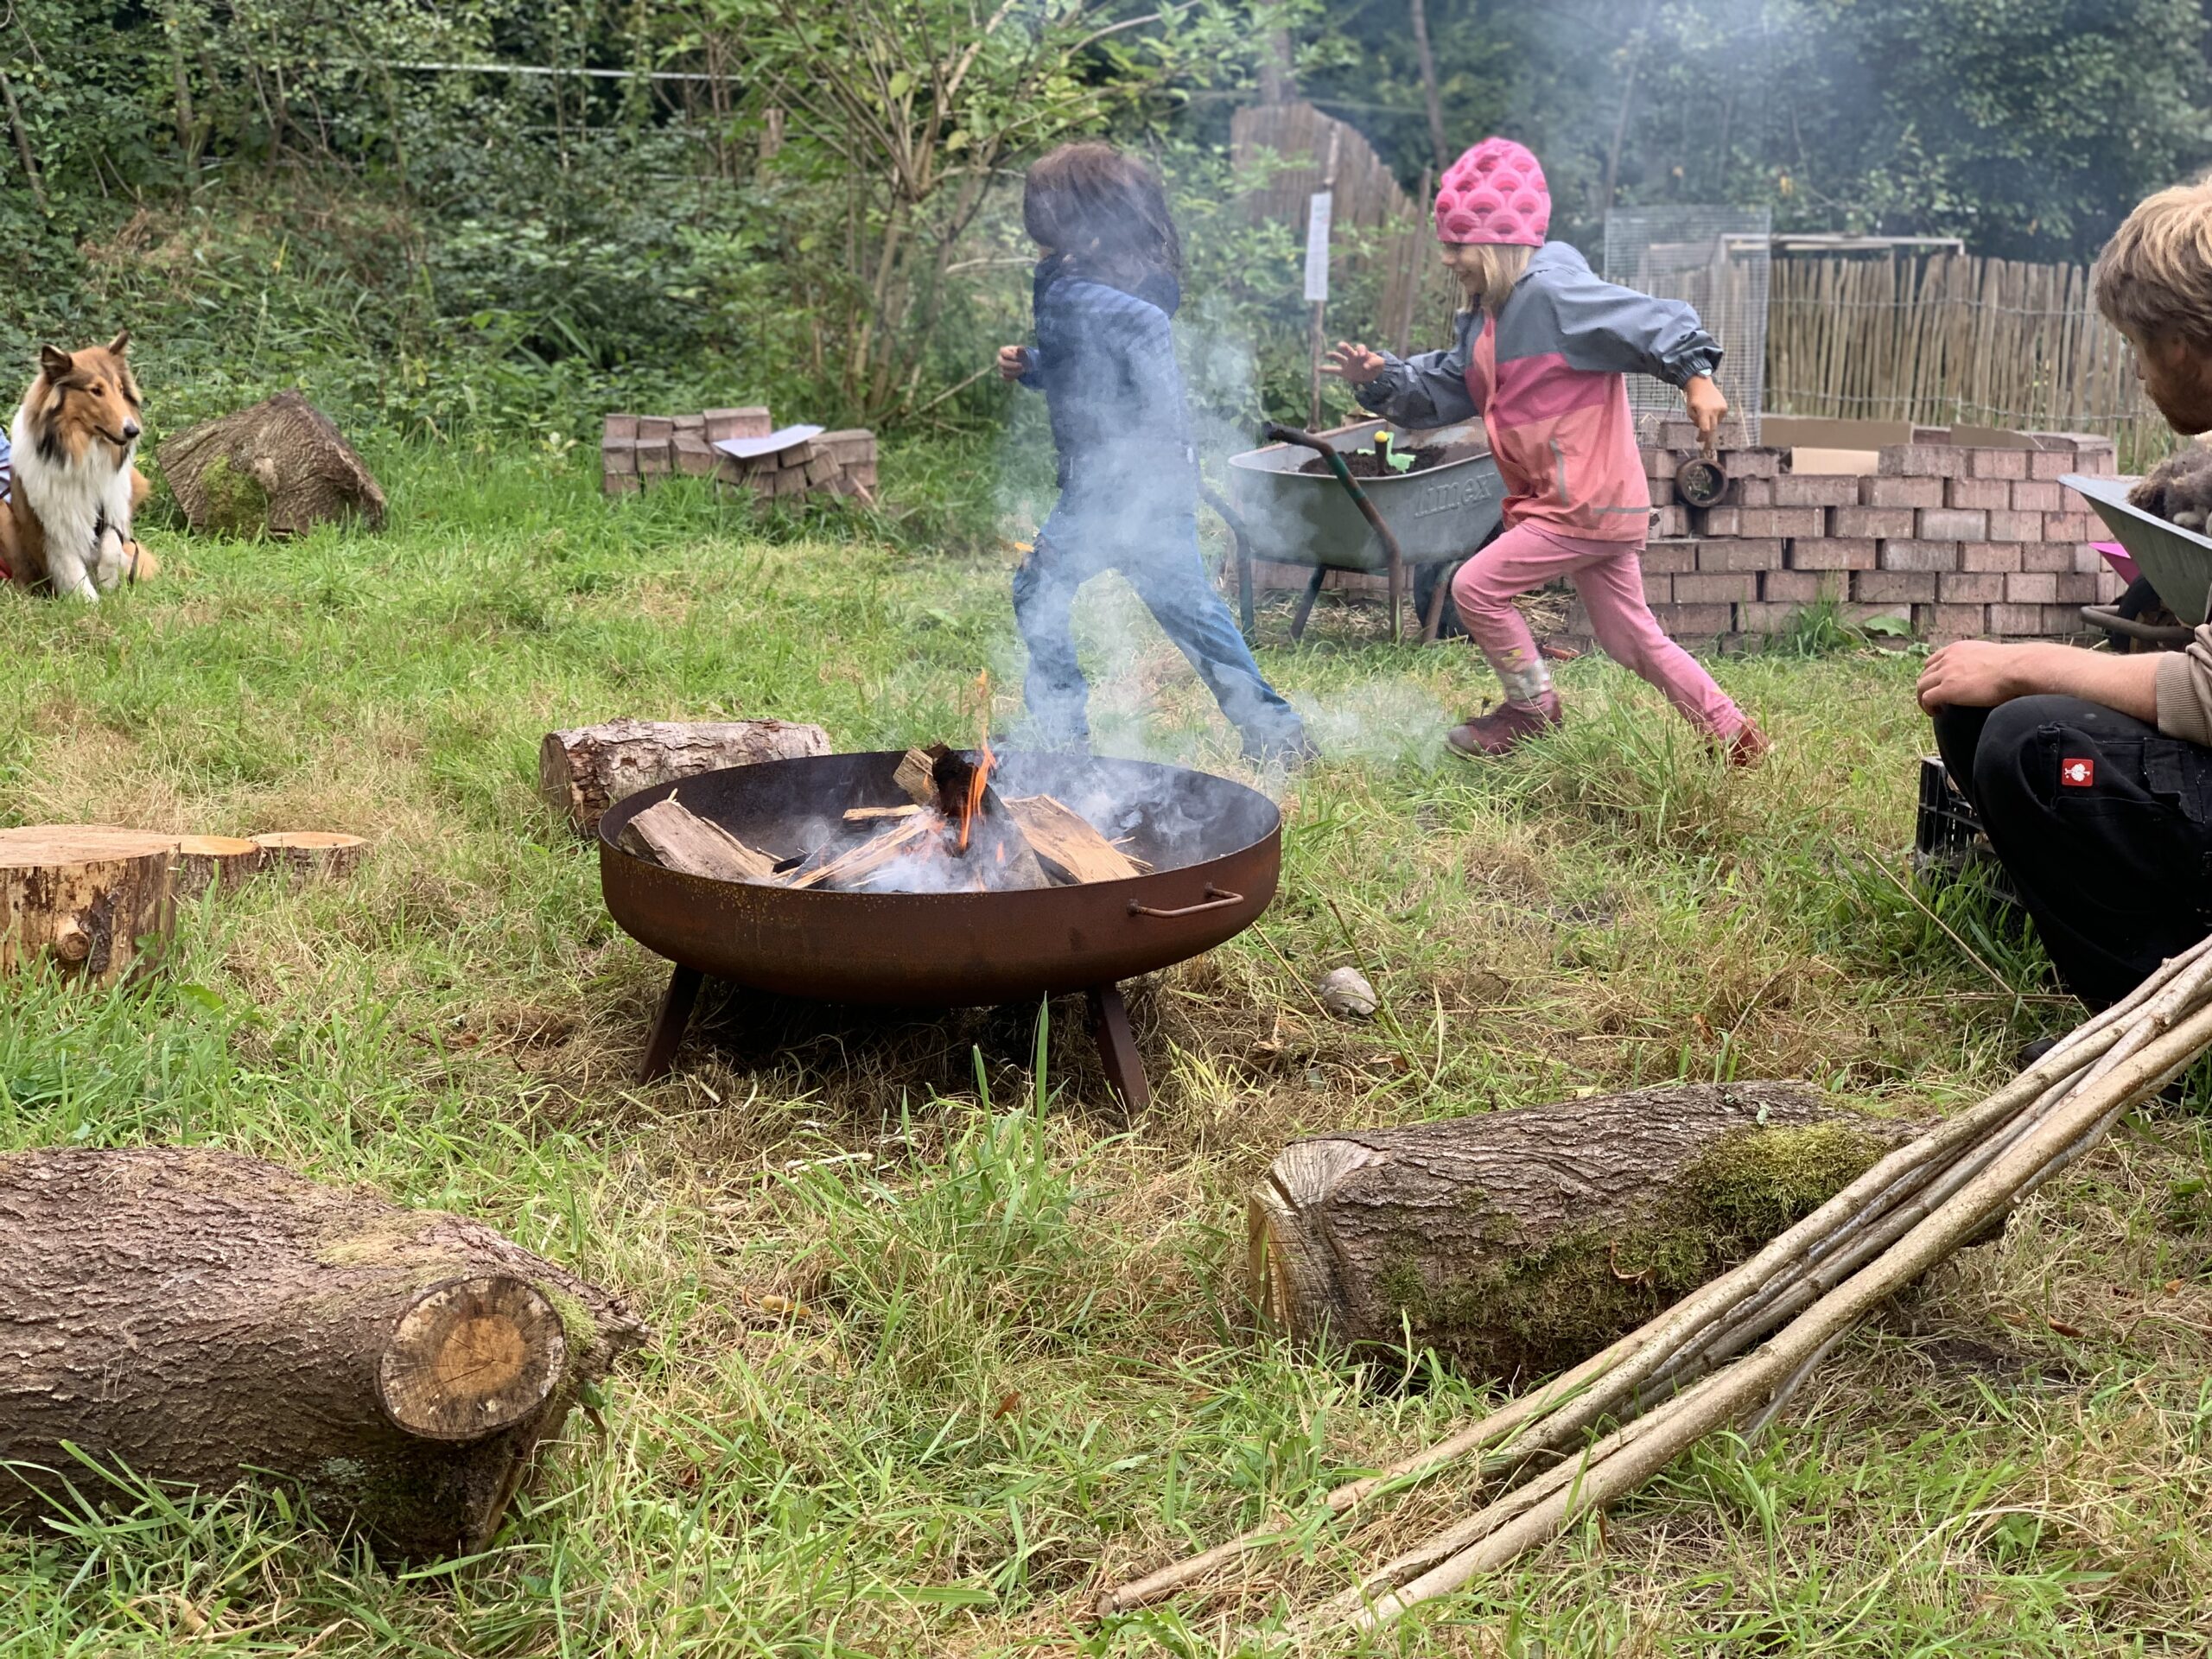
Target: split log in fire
[{"x": 958, "y": 835}]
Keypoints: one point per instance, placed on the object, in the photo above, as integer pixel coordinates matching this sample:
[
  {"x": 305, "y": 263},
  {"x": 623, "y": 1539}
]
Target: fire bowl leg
[
  {"x": 1117, "y": 1048},
  {"x": 668, "y": 1024}
]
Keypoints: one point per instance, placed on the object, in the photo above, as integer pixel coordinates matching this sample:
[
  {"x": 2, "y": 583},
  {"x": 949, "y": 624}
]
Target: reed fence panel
[{"x": 1949, "y": 338}]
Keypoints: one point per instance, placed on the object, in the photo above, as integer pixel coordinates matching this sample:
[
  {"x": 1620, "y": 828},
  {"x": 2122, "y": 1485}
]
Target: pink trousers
[{"x": 1608, "y": 576}]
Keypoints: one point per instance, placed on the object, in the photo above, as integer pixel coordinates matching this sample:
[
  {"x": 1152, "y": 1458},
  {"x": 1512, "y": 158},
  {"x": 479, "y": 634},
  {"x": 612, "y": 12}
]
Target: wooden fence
[{"x": 1946, "y": 338}]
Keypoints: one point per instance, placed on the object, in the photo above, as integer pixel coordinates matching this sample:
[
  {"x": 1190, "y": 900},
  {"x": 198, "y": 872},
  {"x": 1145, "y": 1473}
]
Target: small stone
[{"x": 1344, "y": 992}]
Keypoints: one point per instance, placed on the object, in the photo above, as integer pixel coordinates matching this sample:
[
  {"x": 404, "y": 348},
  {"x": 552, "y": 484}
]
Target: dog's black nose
[{"x": 131, "y": 430}]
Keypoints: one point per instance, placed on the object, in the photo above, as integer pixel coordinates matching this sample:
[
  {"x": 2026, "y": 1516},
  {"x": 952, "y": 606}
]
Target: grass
[{"x": 945, "y": 1343}]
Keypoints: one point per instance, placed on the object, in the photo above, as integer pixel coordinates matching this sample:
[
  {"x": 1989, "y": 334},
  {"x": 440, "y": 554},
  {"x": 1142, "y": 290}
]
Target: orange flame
[{"x": 986, "y": 762}]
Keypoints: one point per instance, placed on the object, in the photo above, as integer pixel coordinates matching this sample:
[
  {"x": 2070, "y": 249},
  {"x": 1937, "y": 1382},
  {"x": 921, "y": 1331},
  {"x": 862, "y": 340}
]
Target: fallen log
[
  {"x": 671, "y": 834},
  {"x": 278, "y": 469},
  {"x": 311, "y": 854},
  {"x": 92, "y": 900},
  {"x": 1519, "y": 1241},
  {"x": 202, "y": 1319},
  {"x": 222, "y": 862},
  {"x": 584, "y": 771},
  {"x": 1070, "y": 847}
]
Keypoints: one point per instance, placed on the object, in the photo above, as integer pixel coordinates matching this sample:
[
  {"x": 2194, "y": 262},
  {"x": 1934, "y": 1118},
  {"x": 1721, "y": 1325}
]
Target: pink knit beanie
[{"x": 1495, "y": 192}]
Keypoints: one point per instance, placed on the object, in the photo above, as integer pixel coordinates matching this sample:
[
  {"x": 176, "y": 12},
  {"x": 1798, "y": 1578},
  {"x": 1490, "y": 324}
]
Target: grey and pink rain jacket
[{"x": 1545, "y": 376}]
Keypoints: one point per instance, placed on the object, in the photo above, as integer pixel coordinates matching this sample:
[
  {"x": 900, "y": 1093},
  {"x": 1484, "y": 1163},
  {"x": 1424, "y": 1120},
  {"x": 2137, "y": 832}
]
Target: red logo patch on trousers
[{"x": 2077, "y": 774}]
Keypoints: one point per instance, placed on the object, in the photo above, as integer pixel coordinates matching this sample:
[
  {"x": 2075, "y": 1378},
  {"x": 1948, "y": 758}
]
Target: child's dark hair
[{"x": 1102, "y": 211}]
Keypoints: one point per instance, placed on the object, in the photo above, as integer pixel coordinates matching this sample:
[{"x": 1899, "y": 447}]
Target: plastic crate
[{"x": 1947, "y": 840}]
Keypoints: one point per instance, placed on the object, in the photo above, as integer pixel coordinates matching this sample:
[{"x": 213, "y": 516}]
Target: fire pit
[{"x": 1213, "y": 848}]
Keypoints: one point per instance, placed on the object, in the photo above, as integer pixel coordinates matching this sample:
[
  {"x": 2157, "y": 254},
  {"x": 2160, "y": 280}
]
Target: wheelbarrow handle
[{"x": 1275, "y": 433}]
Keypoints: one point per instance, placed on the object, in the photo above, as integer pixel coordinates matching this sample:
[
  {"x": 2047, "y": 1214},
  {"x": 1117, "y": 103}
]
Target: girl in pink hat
[{"x": 1541, "y": 353}]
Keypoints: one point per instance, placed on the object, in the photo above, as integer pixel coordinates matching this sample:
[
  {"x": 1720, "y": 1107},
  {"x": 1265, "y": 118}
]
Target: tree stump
[
  {"x": 203, "y": 1318},
  {"x": 582, "y": 772},
  {"x": 94, "y": 899},
  {"x": 1521, "y": 1241},
  {"x": 279, "y": 468},
  {"x": 222, "y": 862},
  {"x": 311, "y": 854}
]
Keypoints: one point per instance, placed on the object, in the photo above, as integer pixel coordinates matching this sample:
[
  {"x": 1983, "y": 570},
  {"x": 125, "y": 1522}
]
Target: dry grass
[{"x": 943, "y": 1345}]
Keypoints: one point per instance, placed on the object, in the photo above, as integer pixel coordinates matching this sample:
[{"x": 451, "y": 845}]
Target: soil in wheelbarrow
[{"x": 1365, "y": 463}]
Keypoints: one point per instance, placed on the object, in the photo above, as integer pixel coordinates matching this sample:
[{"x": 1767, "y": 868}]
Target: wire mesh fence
[{"x": 1717, "y": 259}]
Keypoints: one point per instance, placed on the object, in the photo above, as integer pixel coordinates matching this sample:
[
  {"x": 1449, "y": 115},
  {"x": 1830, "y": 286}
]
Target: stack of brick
[
  {"x": 1950, "y": 540},
  {"x": 635, "y": 451}
]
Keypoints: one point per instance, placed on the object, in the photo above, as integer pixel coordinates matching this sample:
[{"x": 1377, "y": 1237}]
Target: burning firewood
[
  {"x": 671, "y": 834},
  {"x": 916, "y": 775},
  {"x": 856, "y": 865},
  {"x": 1067, "y": 844},
  {"x": 875, "y": 814}
]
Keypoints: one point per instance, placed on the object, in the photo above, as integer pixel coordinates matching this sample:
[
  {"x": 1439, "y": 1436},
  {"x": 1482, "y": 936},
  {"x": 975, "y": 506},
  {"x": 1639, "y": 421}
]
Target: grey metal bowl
[
  {"x": 2178, "y": 561},
  {"x": 1442, "y": 512}
]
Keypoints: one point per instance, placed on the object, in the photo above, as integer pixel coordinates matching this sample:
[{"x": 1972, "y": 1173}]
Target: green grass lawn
[{"x": 943, "y": 1345}]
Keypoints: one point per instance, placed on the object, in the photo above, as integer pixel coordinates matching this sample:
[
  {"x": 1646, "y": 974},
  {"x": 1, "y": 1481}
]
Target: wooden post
[{"x": 1317, "y": 286}]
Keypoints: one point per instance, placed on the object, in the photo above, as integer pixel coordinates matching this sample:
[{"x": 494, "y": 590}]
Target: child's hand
[
  {"x": 1013, "y": 362},
  {"x": 1707, "y": 408},
  {"x": 1353, "y": 365}
]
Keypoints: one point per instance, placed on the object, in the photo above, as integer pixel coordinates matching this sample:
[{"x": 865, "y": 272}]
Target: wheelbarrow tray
[
  {"x": 2178, "y": 561},
  {"x": 1441, "y": 513}
]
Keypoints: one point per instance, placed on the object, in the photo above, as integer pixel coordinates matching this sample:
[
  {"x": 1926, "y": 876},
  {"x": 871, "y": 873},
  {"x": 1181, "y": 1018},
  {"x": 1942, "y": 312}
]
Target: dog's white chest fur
[{"x": 83, "y": 508}]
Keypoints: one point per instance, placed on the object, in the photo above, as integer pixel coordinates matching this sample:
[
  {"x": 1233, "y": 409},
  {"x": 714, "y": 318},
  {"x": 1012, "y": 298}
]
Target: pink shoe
[{"x": 1495, "y": 733}]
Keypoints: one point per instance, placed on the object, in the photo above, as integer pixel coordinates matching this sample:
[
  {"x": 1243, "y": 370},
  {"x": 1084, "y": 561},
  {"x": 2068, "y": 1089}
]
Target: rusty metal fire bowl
[{"x": 1214, "y": 847}]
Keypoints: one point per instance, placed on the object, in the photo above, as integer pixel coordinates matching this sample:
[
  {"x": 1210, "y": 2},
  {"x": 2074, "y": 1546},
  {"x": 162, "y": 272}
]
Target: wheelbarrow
[
  {"x": 2176, "y": 563},
  {"x": 1389, "y": 525}
]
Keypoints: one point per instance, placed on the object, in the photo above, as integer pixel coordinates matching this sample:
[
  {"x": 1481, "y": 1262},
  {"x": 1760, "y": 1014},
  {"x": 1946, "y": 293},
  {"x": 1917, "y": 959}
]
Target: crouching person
[{"x": 2092, "y": 773}]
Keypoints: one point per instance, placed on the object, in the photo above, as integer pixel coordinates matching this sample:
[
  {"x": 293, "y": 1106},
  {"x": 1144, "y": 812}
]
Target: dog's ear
[
  {"x": 53, "y": 362},
  {"x": 120, "y": 344}
]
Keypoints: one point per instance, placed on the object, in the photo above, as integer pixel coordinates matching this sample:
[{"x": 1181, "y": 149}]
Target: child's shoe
[{"x": 1495, "y": 733}]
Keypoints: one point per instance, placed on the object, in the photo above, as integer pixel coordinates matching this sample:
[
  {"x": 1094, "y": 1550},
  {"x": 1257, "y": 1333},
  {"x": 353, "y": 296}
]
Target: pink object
[
  {"x": 2116, "y": 556},
  {"x": 1495, "y": 192},
  {"x": 1564, "y": 441},
  {"x": 1609, "y": 577}
]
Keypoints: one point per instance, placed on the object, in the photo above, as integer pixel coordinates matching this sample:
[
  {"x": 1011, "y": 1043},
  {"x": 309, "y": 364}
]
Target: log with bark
[
  {"x": 92, "y": 900},
  {"x": 311, "y": 854},
  {"x": 202, "y": 1319},
  {"x": 278, "y": 469},
  {"x": 1518, "y": 1242},
  {"x": 222, "y": 862},
  {"x": 582, "y": 772}
]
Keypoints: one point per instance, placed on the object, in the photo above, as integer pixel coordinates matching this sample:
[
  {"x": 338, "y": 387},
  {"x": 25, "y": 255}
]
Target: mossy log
[
  {"x": 200, "y": 1318},
  {"x": 1522, "y": 1241},
  {"x": 279, "y": 468}
]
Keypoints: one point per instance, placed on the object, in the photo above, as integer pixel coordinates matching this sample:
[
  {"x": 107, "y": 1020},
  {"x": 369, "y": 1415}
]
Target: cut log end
[
  {"x": 471, "y": 1357},
  {"x": 315, "y": 853},
  {"x": 222, "y": 862}
]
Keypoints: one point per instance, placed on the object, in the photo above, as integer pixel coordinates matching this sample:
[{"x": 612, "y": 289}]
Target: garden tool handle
[{"x": 1275, "y": 433}]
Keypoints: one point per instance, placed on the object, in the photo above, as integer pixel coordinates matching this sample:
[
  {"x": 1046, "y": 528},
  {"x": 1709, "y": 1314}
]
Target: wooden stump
[
  {"x": 311, "y": 854},
  {"x": 278, "y": 469},
  {"x": 582, "y": 772},
  {"x": 92, "y": 900},
  {"x": 204, "y": 1318},
  {"x": 1521, "y": 1241},
  {"x": 222, "y": 862}
]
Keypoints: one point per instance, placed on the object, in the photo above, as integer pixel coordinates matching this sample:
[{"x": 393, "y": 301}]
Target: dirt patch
[{"x": 1365, "y": 463}]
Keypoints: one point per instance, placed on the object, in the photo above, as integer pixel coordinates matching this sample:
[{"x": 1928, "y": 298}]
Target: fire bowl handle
[{"x": 1214, "y": 898}]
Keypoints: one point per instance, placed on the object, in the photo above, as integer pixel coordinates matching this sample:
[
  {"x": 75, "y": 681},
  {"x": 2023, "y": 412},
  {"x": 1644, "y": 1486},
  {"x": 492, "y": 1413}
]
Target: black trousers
[{"x": 2104, "y": 826}]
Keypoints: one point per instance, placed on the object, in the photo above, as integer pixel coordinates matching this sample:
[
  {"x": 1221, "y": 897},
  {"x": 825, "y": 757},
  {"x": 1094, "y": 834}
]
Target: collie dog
[{"x": 75, "y": 438}]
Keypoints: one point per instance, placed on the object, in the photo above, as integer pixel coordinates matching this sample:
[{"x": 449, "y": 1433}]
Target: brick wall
[
  {"x": 637, "y": 450},
  {"x": 1954, "y": 541}
]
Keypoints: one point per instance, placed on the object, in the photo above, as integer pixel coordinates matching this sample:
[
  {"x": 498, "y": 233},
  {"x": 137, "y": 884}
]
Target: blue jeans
[{"x": 1162, "y": 563}]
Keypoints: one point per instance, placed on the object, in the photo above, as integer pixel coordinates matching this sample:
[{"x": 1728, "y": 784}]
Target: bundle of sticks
[
  {"x": 1735, "y": 1350},
  {"x": 953, "y": 833}
]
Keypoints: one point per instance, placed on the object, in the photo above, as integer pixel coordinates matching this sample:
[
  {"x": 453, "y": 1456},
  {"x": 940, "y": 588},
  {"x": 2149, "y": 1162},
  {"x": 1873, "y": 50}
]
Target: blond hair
[
  {"x": 1498, "y": 265},
  {"x": 2154, "y": 278}
]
